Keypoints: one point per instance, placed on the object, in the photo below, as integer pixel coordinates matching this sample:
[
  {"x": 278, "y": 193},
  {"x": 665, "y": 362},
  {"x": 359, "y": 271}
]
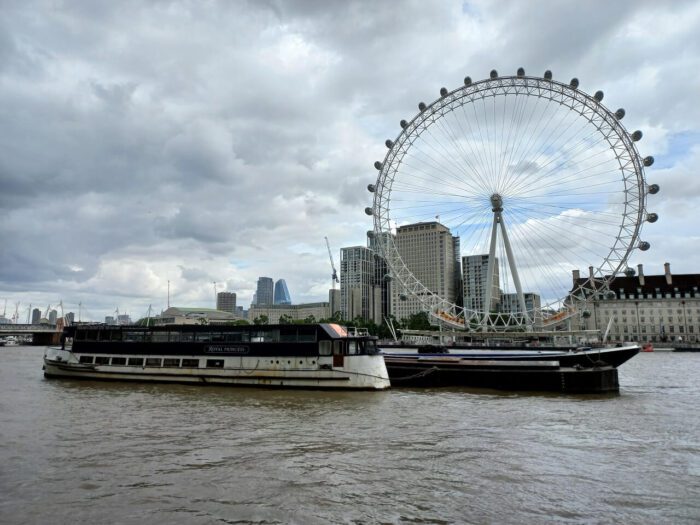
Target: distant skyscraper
[
  {"x": 36, "y": 315},
  {"x": 109, "y": 319},
  {"x": 123, "y": 319},
  {"x": 282, "y": 293},
  {"x": 53, "y": 315},
  {"x": 70, "y": 318},
  {"x": 226, "y": 302},
  {"x": 362, "y": 284},
  {"x": 265, "y": 291},
  {"x": 475, "y": 268}
]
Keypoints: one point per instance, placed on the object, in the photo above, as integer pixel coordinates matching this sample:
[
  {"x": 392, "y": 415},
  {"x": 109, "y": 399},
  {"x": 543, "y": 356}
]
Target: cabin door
[{"x": 338, "y": 357}]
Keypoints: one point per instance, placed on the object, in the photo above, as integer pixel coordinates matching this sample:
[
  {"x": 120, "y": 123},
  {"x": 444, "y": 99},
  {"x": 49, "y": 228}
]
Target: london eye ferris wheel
[{"x": 536, "y": 178}]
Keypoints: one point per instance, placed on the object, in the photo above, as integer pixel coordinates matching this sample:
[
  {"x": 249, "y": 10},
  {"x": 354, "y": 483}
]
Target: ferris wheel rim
[{"x": 620, "y": 142}]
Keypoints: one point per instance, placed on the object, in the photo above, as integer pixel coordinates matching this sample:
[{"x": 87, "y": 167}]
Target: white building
[
  {"x": 644, "y": 307},
  {"x": 183, "y": 315},
  {"x": 533, "y": 304},
  {"x": 297, "y": 312},
  {"x": 431, "y": 253}
]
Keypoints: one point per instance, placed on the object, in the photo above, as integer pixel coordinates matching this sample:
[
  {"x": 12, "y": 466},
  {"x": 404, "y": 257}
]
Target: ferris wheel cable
[
  {"x": 435, "y": 164},
  {"x": 569, "y": 220},
  {"x": 449, "y": 182},
  {"x": 530, "y": 196},
  {"x": 517, "y": 114},
  {"x": 524, "y": 132},
  {"x": 475, "y": 153},
  {"x": 481, "y": 137},
  {"x": 542, "y": 172},
  {"x": 533, "y": 136},
  {"x": 548, "y": 216},
  {"x": 409, "y": 187},
  {"x": 573, "y": 175},
  {"x": 447, "y": 128},
  {"x": 557, "y": 233},
  {"x": 526, "y": 179},
  {"x": 582, "y": 143},
  {"x": 446, "y": 154}
]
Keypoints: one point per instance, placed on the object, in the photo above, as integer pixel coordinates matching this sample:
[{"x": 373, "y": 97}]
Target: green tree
[
  {"x": 286, "y": 319},
  {"x": 261, "y": 319}
]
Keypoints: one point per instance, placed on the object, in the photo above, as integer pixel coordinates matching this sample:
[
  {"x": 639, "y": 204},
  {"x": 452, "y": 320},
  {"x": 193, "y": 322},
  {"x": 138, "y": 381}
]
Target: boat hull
[
  {"x": 360, "y": 372},
  {"x": 585, "y": 371}
]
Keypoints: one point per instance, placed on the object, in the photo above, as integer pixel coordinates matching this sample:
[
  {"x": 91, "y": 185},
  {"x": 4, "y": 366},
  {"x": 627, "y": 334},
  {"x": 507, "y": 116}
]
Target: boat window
[
  {"x": 217, "y": 337},
  {"x": 133, "y": 337},
  {"x": 237, "y": 337},
  {"x": 136, "y": 361},
  {"x": 370, "y": 346},
  {"x": 91, "y": 335},
  {"x": 337, "y": 347},
  {"x": 171, "y": 362},
  {"x": 101, "y": 360},
  {"x": 112, "y": 335},
  {"x": 307, "y": 338},
  {"x": 352, "y": 347},
  {"x": 215, "y": 363},
  {"x": 174, "y": 337},
  {"x": 186, "y": 337},
  {"x": 324, "y": 348},
  {"x": 288, "y": 335},
  {"x": 87, "y": 359},
  {"x": 119, "y": 360},
  {"x": 265, "y": 336},
  {"x": 153, "y": 361},
  {"x": 203, "y": 337},
  {"x": 190, "y": 363},
  {"x": 159, "y": 337}
]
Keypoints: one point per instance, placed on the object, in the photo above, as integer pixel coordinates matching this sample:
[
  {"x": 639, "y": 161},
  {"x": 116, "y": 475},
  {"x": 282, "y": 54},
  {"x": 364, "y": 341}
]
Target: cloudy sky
[{"x": 199, "y": 142}]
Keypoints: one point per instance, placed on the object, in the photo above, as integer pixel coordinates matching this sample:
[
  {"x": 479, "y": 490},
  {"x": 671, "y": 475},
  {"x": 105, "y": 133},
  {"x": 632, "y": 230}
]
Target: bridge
[{"x": 42, "y": 334}]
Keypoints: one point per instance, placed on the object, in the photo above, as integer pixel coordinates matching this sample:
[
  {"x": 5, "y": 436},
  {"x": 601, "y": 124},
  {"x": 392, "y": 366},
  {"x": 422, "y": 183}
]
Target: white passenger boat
[{"x": 322, "y": 356}]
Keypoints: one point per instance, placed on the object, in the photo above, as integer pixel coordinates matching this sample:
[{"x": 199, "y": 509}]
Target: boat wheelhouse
[{"x": 324, "y": 356}]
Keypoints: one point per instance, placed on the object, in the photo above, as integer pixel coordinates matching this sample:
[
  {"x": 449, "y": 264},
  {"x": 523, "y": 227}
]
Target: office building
[
  {"x": 533, "y": 304},
  {"x": 474, "y": 280},
  {"x": 361, "y": 288},
  {"x": 282, "y": 293},
  {"x": 109, "y": 319},
  {"x": 431, "y": 253},
  {"x": 226, "y": 302},
  {"x": 70, "y": 318},
  {"x": 36, "y": 316},
  {"x": 265, "y": 291},
  {"x": 334, "y": 302},
  {"x": 53, "y": 315}
]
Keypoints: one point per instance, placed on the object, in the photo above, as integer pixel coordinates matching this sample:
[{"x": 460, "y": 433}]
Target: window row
[{"x": 167, "y": 362}]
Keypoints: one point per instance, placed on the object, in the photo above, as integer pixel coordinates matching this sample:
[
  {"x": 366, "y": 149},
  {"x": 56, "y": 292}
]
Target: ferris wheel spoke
[
  {"x": 448, "y": 182},
  {"x": 447, "y": 129}
]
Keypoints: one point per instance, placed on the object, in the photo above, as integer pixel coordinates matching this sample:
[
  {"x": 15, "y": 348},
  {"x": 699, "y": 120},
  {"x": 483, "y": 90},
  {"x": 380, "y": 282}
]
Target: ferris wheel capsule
[
  {"x": 637, "y": 136},
  {"x": 521, "y": 72},
  {"x": 644, "y": 246},
  {"x": 648, "y": 161},
  {"x": 422, "y": 106},
  {"x": 598, "y": 96},
  {"x": 389, "y": 144},
  {"x": 370, "y": 188},
  {"x": 653, "y": 189},
  {"x": 652, "y": 217},
  {"x": 574, "y": 83},
  {"x": 403, "y": 124},
  {"x": 443, "y": 91},
  {"x": 493, "y": 74},
  {"x": 377, "y": 165},
  {"x": 369, "y": 211},
  {"x": 548, "y": 75},
  {"x": 620, "y": 114},
  {"x": 467, "y": 81}
]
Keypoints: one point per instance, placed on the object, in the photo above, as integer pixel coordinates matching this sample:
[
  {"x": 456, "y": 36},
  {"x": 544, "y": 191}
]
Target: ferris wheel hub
[{"x": 496, "y": 202}]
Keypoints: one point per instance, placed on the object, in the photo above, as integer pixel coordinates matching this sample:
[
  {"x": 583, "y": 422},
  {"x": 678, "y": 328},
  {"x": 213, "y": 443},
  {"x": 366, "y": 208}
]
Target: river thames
[{"x": 91, "y": 452}]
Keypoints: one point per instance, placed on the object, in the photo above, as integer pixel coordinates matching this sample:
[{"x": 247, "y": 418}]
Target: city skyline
[{"x": 159, "y": 173}]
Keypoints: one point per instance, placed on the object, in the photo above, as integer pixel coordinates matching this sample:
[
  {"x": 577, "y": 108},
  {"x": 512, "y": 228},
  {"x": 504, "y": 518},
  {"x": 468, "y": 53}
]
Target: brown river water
[{"x": 95, "y": 452}]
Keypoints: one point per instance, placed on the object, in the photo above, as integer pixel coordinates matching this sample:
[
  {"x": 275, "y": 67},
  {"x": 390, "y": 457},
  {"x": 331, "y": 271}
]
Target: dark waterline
[{"x": 93, "y": 452}]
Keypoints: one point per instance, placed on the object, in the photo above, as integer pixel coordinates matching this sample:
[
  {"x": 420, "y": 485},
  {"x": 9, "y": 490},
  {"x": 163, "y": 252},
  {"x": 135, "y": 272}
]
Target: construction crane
[{"x": 334, "y": 276}]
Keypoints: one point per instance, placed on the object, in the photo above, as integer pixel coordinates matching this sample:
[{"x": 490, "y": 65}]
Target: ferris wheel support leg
[
  {"x": 489, "y": 277},
  {"x": 514, "y": 273}
]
